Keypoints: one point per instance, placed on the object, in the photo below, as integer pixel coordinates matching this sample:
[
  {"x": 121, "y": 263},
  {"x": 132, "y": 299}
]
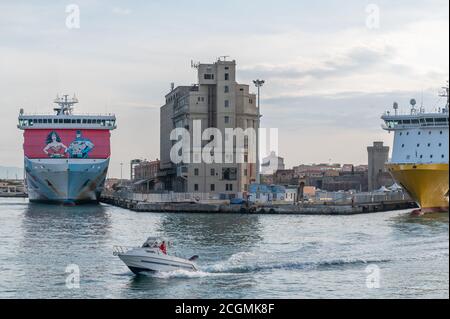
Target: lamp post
[{"x": 258, "y": 83}]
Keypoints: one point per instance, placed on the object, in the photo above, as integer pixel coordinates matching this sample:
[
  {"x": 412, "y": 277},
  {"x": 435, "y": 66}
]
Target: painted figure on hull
[
  {"x": 54, "y": 148},
  {"x": 80, "y": 147}
]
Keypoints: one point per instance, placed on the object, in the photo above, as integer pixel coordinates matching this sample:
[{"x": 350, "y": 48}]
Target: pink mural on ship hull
[{"x": 65, "y": 143}]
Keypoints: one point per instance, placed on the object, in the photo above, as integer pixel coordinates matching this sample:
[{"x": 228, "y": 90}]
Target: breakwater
[{"x": 222, "y": 207}]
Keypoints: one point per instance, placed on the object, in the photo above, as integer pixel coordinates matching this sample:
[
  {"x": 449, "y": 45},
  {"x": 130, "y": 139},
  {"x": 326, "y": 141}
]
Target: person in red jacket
[{"x": 163, "y": 248}]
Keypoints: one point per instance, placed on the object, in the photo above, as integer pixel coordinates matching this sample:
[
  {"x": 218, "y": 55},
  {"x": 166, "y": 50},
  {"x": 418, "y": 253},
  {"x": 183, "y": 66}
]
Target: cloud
[
  {"x": 356, "y": 60},
  {"x": 121, "y": 11}
]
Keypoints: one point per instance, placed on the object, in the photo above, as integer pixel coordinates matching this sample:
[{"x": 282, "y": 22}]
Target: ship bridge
[{"x": 65, "y": 119}]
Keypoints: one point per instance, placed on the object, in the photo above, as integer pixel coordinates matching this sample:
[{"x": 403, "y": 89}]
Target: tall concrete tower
[{"x": 378, "y": 157}]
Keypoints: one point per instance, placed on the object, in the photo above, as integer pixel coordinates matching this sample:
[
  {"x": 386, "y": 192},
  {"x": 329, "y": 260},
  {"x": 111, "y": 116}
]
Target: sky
[{"x": 331, "y": 67}]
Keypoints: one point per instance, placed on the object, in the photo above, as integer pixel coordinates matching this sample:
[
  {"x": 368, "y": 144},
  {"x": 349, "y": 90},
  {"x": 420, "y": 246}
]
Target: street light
[{"x": 258, "y": 83}]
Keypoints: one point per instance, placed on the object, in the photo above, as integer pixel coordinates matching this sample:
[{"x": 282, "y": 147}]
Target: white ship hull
[
  {"x": 151, "y": 259},
  {"x": 65, "y": 180}
]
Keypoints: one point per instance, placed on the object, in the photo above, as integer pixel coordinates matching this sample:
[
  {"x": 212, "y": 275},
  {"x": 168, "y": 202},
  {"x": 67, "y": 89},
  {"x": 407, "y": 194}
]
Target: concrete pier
[{"x": 288, "y": 209}]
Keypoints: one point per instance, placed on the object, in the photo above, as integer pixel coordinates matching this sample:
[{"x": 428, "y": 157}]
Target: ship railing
[{"x": 71, "y": 115}]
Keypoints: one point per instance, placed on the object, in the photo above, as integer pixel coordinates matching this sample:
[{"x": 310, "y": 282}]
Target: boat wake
[
  {"x": 239, "y": 263},
  {"x": 245, "y": 262}
]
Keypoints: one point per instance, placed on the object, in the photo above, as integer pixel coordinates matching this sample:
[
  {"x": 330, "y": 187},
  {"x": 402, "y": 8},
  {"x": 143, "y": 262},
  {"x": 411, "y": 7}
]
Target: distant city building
[
  {"x": 378, "y": 175},
  {"x": 285, "y": 177},
  {"x": 330, "y": 177},
  {"x": 145, "y": 176},
  {"x": 271, "y": 164},
  {"x": 218, "y": 101}
]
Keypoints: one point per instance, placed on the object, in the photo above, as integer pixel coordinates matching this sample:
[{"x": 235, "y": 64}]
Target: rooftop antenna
[
  {"x": 224, "y": 57},
  {"x": 413, "y": 103},
  {"x": 195, "y": 65}
]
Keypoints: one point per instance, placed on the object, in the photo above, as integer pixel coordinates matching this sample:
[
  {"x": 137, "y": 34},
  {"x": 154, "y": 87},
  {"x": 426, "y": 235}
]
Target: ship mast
[
  {"x": 445, "y": 94},
  {"x": 65, "y": 104}
]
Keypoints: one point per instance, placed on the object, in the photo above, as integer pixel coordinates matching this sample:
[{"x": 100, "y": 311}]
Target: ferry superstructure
[
  {"x": 420, "y": 154},
  {"x": 66, "y": 156}
]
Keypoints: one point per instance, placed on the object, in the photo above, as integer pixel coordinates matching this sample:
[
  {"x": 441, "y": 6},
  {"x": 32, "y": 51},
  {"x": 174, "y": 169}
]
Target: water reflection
[
  {"x": 421, "y": 225},
  {"x": 54, "y": 237},
  {"x": 76, "y": 221},
  {"x": 196, "y": 232},
  {"x": 209, "y": 229}
]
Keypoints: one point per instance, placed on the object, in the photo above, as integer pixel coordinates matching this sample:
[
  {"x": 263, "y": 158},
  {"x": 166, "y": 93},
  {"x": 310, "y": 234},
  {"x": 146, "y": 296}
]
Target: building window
[
  {"x": 250, "y": 101},
  {"x": 245, "y": 158},
  {"x": 209, "y": 76},
  {"x": 213, "y": 187},
  {"x": 196, "y": 187},
  {"x": 227, "y": 76},
  {"x": 227, "y": 119},
  {"x": 226, "y": 89},
  {"x": 229, "y": 187},
  {"x": 245, "y": 172},
  {"x": 229, "y": 174},
  {"x": 213, "y": 172},
  {"x": 227, "y": 103},
  {"x": 196, "y": 172}
]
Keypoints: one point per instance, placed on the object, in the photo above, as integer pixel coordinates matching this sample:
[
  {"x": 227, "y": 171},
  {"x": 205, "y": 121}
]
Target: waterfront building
[
  {"x": 271, "y": 164},
  {"x": 378, "y": 175},
  {"x": 217, "y": 101},
  {"x": 145, "y": 175}
]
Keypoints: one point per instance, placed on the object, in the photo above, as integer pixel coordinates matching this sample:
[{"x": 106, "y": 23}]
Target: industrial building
[{"x": 217, "y": 101}]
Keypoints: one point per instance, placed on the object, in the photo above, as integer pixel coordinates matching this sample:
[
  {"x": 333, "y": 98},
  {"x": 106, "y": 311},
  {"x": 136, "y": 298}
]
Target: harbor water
[{"x": 382, "y": 255}]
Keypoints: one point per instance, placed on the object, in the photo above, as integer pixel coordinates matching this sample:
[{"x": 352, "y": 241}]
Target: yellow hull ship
[
  {"x": 420, "y": 156},
  {"x": 427, "y": 184}
]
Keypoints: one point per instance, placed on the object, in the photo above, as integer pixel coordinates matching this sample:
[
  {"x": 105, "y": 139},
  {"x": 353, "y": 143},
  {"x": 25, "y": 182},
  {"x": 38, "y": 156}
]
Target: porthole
[
  {"x": 440, "y": 144},
  {"x": 429, "y": 144},
  {"x": 421, "y": 156},
  {"x": 418, "y": 145},
  {"x": 442, "y": 156},
  {"x": 429, "y": 133},
  {"x": 407, "y": 133},
  {"x": 419, "y": 133},
  {"x": 401, "y": 133},
  {"x": 403, "y": 145},
  {"x": 431, "y": 156}
]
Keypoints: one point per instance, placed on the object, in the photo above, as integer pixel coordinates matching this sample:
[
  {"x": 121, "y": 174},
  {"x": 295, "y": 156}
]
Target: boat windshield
[{"x": 154, "y": 242}]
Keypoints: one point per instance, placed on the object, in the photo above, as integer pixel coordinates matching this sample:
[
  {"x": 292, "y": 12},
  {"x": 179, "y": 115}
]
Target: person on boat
[{"x": 163, "y": 247}]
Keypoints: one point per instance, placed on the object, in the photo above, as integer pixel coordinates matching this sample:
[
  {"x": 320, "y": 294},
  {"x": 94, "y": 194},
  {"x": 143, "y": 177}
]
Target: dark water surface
[{"x": 241, "y": 256}]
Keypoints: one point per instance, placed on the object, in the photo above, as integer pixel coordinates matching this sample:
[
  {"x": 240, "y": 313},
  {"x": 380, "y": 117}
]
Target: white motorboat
[{"x": 153, "y": 256}]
